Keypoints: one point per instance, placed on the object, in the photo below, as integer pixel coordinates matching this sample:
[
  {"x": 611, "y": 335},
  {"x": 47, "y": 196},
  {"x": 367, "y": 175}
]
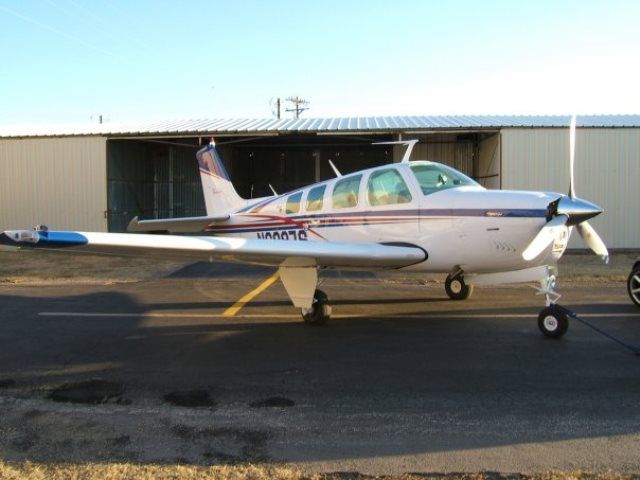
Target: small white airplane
[{"x": 413, "y": 216}]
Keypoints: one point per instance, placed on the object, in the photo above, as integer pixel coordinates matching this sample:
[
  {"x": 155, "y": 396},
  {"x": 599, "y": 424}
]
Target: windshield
[{"x": 435, "y": 177}]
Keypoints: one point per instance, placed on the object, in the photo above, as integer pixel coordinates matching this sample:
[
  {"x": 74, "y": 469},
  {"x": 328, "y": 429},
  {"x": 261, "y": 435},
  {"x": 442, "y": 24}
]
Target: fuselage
[{"x": 459, "y": 223}]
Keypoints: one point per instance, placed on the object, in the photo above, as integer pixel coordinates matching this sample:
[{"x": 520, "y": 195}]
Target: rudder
[{"x": 220, "y": 196}]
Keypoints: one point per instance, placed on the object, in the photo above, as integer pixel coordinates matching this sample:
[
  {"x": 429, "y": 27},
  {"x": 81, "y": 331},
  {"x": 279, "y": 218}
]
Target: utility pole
[
  {"x": 299, "y": 105},
  {"x": 275, "y": 107}
]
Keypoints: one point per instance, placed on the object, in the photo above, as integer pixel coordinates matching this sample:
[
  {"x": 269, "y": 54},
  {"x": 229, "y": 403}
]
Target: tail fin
[{"x": 220, "y": 197}]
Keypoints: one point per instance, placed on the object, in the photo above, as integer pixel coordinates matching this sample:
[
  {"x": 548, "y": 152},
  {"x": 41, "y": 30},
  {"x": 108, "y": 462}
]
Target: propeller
[
  {"x": 572, "y": 155},
  {"x": 569, "y": 211},
  {"x": 593, "y": 240},
  {"x": 544, "y": 237}
]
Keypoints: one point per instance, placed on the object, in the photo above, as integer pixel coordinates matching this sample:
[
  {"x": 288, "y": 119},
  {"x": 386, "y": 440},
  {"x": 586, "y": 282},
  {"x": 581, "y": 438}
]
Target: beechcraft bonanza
[{"x": 412, "y": 215}]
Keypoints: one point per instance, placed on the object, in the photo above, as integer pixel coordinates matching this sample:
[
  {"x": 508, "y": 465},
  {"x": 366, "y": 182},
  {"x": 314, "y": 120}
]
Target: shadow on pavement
[{"x": 405, "y": 385}]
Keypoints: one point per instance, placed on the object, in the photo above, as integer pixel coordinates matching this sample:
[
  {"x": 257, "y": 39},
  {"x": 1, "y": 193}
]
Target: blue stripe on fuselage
[{"x": 435, "y": 212}]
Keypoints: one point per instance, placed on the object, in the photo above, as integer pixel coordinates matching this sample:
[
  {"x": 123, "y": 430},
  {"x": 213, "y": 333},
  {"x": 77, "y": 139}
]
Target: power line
[
  {"x": 63, "y": 34},
  {"x": 298, "y": 105}
]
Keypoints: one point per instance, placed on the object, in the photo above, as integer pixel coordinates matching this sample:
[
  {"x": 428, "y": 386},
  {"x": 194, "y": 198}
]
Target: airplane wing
[
  {"x": 180, "y": 225},
  {"x": 243, "y": 250}
]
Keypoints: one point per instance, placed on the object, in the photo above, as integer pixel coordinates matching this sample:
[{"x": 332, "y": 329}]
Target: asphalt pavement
[{"x": 401, "y": 379}]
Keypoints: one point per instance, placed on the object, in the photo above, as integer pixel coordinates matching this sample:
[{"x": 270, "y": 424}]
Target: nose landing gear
[{"x": 553, "y": 321}]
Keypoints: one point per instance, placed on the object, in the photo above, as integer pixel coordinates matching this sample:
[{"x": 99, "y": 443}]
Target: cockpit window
[
  {"x": 386, "y": 187},
  {"x": 435, "y": 177},
  {"x": 345, "y": 193}
]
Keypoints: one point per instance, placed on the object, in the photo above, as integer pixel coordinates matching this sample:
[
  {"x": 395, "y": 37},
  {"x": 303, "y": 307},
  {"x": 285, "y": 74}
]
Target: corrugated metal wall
[
  {"x": 607, "y": 172},
  {"x": 58, "y": 182}
]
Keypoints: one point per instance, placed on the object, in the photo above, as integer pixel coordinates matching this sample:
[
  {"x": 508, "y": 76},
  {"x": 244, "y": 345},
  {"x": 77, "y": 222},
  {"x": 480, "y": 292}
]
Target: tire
[
  {"x": 552, "y": 322},
  {"x": 320, "y": 312},
  {"x": 456, "y": 288},
  {"x": 633, "y": 285}
]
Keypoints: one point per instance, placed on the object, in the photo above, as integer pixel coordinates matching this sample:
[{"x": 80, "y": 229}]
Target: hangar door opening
[
  {"x": 476, "y": 154},
  {"x": 290, "y": 163},
  {"x": 151, "y": 180}
]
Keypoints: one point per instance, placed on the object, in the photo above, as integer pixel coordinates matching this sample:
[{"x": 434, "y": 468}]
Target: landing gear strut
[
  {"x": 456, "y": 287},
  {"x": 553, "y": 321},
  {"x": 320, "y": 311}
]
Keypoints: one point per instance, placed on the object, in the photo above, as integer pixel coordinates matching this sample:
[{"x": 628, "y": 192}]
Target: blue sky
[{"x": 64, "y": 61}]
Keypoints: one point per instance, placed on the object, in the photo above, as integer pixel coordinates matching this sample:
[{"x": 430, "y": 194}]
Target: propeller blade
[
  {"x": 572, "y": 155},
  {"x": 545, "y": 236},
  {"x": 593, "y": 240}
]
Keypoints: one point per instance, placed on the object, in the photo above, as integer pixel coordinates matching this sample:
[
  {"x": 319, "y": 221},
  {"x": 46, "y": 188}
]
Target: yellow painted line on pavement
[
  {"x": 425, "y": 316},
  {"x": 236, "y": 307}
]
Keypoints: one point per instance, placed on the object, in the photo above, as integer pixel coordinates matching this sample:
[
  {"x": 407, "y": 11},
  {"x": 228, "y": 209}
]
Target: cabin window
[
  {"x": 293, "y": 203},
  {"x": 434, "y": 177},
  {"x": 345, "y": 192},
  {"x": 386, "y": 187},
  {"x": 314, "y": 198}
]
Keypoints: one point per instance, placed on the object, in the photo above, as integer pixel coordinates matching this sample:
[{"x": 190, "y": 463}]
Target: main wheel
[
  {"x": 456, "y": 288},
  {"x": 320, "y": 311},
  {"x": 552, "y": 322},
  {"x": 633, "y": 285}
]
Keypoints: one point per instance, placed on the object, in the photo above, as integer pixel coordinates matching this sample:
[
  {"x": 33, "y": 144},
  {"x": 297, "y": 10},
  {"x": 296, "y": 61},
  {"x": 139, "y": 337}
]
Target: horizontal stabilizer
[{"x": 178, "y": 225}]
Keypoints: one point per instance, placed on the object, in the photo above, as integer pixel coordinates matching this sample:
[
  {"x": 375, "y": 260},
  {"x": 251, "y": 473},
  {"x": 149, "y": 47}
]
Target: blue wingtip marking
[
  {"x": 62, "y": 239},
  {"x": 46, "y": 239}
]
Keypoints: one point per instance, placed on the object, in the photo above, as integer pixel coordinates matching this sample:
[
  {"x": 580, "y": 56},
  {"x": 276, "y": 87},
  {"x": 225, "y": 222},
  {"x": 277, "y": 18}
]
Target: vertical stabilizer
[{"x": 220, "y": 197}]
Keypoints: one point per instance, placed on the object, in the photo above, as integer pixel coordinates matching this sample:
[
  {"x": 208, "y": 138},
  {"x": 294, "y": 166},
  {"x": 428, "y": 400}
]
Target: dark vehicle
[{"x": 633, "y": 283}]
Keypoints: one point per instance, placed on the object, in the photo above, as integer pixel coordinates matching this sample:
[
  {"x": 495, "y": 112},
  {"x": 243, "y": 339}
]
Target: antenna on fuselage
[
  {"x": 335, "y": 169},
  {"x": 407, "y": 143},
  {"x": 273, "y": 190}
]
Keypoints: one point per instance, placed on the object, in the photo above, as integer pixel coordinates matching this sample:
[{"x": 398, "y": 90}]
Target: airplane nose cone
[{"x": 577, "y": 209}]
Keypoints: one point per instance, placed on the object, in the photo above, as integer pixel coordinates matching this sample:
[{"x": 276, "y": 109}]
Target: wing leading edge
[{"x": 257, "y": 251}]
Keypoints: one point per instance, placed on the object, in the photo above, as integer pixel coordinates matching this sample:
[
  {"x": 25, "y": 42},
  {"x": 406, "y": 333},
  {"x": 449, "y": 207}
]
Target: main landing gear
[
  {"x": 320, "y": 310},
  {"x": 456, "y": 287},
  {"x": 300, "y": 281}
]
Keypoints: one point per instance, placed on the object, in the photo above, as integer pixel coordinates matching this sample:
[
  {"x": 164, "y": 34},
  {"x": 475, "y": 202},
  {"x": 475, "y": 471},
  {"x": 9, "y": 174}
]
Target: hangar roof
[{"x": 250, "y": 126}]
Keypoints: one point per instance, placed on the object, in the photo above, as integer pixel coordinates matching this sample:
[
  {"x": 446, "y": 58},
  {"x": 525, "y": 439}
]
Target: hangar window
[
  {"x": 434, "y": 177},
  {"x": 345, "y": 193},
  {"x": 314, "y": 198},
  {"x": 386, "y": 187},
  {"x": 293, "y": 203}
]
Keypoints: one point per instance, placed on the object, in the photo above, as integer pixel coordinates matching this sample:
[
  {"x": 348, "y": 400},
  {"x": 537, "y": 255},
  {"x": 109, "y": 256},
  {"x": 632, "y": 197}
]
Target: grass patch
[{"x": 127, "y": 471}]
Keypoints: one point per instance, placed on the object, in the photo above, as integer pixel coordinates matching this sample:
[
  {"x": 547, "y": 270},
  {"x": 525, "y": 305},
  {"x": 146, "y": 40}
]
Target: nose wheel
[
  {"x": 456, "y": 287},
  {"x": 553, "y": 321}
]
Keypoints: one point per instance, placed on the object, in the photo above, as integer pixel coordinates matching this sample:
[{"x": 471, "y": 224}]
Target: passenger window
[
  {"x": 314, "y": 198},
  {"x": 345, "y": 193},
  {"x": 387, "y": 187},
  {"x": 293, "y": 203}
]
